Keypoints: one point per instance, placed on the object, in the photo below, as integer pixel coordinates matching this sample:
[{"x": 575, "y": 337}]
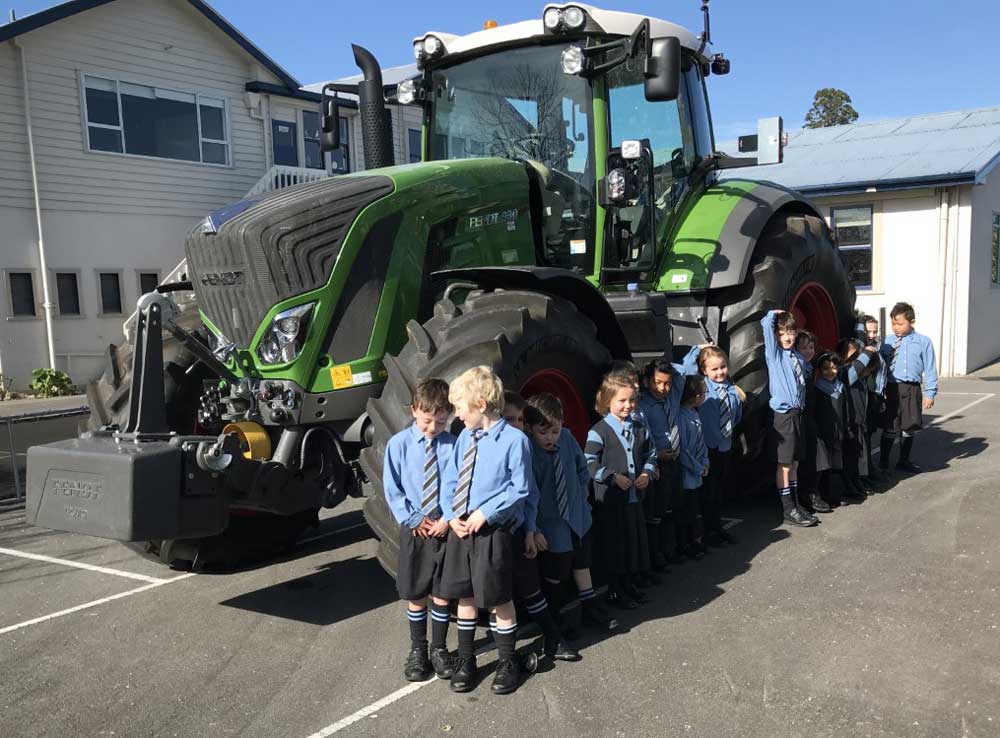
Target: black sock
[
  {"x": 440, "y": 616},
  {"x": 905, "y": 446},
  {"x": 418, "y": 627},
  {"x": 885, "y": 448},
  {"x": 466, "y": 638},
  {"x": 538, "y": 608},
  {"x": 506, "y": 639},
  {"x": 787, "y": 501}
]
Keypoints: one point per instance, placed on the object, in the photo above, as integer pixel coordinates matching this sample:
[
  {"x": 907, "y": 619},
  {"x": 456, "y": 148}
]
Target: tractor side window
[
  {"x": 701, "y": 116},
  {"x": 667, "y": 126}
]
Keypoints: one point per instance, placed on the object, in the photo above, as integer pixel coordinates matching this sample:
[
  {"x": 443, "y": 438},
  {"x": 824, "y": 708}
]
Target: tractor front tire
[{"x": 535, "y": 342}]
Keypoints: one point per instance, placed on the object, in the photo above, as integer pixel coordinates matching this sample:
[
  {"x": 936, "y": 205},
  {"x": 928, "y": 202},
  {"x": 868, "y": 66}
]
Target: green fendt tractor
[{"x": 568, "y": 212}]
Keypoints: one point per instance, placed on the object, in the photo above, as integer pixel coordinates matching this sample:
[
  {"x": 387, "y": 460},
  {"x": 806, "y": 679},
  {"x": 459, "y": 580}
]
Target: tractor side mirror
[
  {"x": 663, "y": 70},
  {"x": 330, "y": 138}
]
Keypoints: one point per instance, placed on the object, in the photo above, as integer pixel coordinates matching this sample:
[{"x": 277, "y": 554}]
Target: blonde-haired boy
[{"x": 482, "y": 496}]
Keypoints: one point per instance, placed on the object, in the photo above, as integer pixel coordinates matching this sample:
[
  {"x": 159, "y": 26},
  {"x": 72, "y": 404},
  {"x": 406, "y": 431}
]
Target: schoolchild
[
  {"x": 720, "y": 413},
  {"x": 910, "y": 359},
  {"x": 528, "y": 594},
  {"x": 562, "y": 533},
  {"x": 829, "y": 410},
  {"x": 415, "y": 459},
  {"x": 875, "y": 379},
  {"x": 856, "y": 360},
  {"x": 621, "y": 460},
  {"x": 694, "y": 452},
  {"x": 659, "y": 403},
  {"x": 786, "y": 371},
  {"x": 809, "y": 497},
  {"x": 483, "y": 491}
]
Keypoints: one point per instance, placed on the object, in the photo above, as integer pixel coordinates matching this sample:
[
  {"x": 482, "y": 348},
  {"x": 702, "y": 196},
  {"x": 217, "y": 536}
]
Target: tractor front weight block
[{"x": 104, "y": 485}]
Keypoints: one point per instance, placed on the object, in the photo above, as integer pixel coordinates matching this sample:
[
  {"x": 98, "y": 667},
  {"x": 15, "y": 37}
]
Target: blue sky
[{"x": 894, "y": 57}]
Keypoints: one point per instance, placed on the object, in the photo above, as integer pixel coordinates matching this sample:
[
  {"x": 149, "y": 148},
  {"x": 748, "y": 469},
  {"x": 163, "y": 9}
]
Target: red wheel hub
[
  {"x": 576, "y": 415},
  {"x": 814, "y": 311}
]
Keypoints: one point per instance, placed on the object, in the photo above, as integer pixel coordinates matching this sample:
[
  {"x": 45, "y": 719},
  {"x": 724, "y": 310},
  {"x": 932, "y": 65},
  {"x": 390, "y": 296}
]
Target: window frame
[
  {"x": 100, "y": 294},
  {"x": 870, "y": 246},
  {"x": 54, "y": 273},
  {"x": 409, "y": 145},
  {"x": 138, "y": 279},
  {"x": 995, "y": 248},
  {"x": 7, "y": 287},
  {"x": 86, "y": 124}
]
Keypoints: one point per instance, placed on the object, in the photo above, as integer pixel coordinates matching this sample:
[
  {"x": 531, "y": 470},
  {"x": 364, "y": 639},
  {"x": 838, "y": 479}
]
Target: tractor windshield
[{"x": 520, "y": 105}]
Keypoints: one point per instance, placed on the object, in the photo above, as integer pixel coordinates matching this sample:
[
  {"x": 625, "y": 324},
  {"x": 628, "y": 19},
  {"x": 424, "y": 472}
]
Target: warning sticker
[
  {"x": 341, "y": 376},
  {"x": 362, "y": 378},
  {"x": 578, "y": 246},
  {"x": 679, "y": 279}
]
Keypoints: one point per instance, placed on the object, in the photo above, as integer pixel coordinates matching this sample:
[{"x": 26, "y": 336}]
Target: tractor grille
[{"x": 281, "y": 245}]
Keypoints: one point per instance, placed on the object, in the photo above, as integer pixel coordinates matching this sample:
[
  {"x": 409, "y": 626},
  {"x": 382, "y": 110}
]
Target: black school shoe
[
  {"x": 636, "y": 594},
  {"x": 507, "y": 678},
  {"x": 418, "y": 667},
  {"x": 622, "y": 600},
  {"x": 465, "y": 676},
  {"x": 908, "y": 467},
  {"x": 714, "y": 539},
  {"x": 597, "y": 617},
  {"x": 659, "y": 562},
  {"x": 818, "y": 504},
  {"x": 560, "y": 651},
  {"x": 443, "y": 663},
  {"x": 795, "y": 516},
  {"x": 727, "y": 537},
  {"x": 692, "y": 553}
]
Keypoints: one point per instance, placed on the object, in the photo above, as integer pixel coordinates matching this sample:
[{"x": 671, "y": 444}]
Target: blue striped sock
[
  {"x": 506, "y": 639},
  {"x": 586, "y": 594},
  {"x": 466, "y": 638},
  {"x": 440, "y": 618}
]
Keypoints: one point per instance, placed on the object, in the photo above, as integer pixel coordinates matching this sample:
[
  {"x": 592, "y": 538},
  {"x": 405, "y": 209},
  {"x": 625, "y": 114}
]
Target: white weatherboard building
[
  {"x": 122, "y": 124},
  {"x": 915, "y": 205}
]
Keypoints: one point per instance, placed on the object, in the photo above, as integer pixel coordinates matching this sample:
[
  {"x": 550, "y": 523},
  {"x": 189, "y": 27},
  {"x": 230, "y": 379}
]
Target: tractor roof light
[
  {"x": 406, "y": 92},
  {"x": 572, "y": 60},
  {"x": 564, "y": 20},
  {"x": 428, "y": 48}
]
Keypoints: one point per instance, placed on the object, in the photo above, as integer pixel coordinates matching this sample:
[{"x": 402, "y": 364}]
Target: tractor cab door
[{"x": 636, "y": 231}]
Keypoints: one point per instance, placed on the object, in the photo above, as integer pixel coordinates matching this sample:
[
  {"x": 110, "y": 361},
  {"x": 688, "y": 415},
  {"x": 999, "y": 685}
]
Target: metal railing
[
  {"x": 10, "y": 421},
  {"x": 279, "y": 177}
]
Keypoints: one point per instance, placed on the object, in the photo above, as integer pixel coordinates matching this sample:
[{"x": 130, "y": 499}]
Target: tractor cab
[{"x": 608, "y": 111}]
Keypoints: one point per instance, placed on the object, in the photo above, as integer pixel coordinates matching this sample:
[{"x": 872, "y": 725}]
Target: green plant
[
  {"x": 6, "y": 391},
  {"x": 50, "y": 383}
]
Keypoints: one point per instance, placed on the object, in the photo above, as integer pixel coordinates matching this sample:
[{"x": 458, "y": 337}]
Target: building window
[
  {"x": 111, "y": 293},
  {"x": 995, "y": 250},
  {"x": 22, "y": 294},
  {"x": 126, "y": 118},
  {"x": 68, "y": 293},
  {"x": 414, "y": 139},
  {"x": 284, "y": 143},
  {"x": 148, "y": 282},
  {"x": 853, "y": 227}
]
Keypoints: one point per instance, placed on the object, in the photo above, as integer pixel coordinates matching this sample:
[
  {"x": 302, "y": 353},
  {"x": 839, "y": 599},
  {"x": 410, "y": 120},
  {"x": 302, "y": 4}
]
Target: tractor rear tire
[
  {"x": 533, "y": 341},
  {"x": 795, "y": 265}
]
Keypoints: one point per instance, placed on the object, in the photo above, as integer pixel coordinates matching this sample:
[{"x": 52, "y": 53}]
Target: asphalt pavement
[{"x": 883, "y": 621}]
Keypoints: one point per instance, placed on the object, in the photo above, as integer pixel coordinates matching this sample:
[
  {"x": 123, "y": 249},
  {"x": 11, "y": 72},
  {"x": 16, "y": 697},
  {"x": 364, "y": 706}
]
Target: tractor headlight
[
  {"x": 617, "y": 185},
  {"x": 433, "y": 46},
  {"x": 406, "y": 92},
  {"x": 563, "y": 20},
  {"x": 221, "y": 347},
  {"x": 283, "y": 343},
  {"x": 572, "y": 60}
]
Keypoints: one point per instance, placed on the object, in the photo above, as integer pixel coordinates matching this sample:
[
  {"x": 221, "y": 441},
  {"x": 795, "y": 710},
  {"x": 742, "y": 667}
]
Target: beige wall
[{"x": 984, "y": 296}]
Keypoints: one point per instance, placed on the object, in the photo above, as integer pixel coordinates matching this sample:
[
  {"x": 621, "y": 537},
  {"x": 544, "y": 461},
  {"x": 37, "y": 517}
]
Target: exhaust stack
[{"x": 376, "y": 123}]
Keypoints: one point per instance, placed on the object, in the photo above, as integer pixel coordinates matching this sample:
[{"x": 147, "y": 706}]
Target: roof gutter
[
  {"x": 889, "y": 185},
  {"x": 47, "y": 304}
]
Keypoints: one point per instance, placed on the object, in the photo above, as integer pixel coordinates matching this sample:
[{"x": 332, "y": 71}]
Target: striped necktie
[
  {"x": 725, "y": 411},
  {"x": 627, "y": 431},
  {"x": 461, "y": 502},
  {"x": 432, "y": 488},
  {"x": 674, "y": 433},
  {"x": 800, "y": 379},
  {"x": 562, "y": 492},
  {"x": 700, "y": 444}
]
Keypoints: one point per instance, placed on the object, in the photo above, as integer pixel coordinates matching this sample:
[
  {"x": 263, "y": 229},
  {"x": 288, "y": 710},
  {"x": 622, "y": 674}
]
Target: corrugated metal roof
[
  {"x": 390, "y": 76},
  {"x": 906, "y": 152}
]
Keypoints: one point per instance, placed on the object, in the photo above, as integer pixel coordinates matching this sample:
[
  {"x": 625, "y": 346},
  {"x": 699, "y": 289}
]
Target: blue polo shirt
[
  {"x": 556, "y": 529},
  {"x": 501, "y": 478},
  {"x": 694, "y": 452},
  {"x": 787, "y": 391},
  {"x": 914, "y": 361},
  {"x": 403, "y": 472}
]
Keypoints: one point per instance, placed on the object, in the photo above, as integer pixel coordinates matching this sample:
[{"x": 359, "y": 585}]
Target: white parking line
[
  {"x": 95, "y": 603},
  {"x": 953, "y": 413},
  {"x": 81, "y": 565},
  {"x": 334, "y": 532}
]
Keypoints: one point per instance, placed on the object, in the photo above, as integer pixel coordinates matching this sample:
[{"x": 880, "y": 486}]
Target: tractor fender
[
  {"x": 715, "y": 242},
  {"x": 559, "y": 282}
]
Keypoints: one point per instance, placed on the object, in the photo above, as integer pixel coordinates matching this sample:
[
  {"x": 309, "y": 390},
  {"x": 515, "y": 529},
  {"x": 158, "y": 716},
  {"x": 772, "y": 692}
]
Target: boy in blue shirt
[
  {"x": 786, "y": 372},
  {"x": 563, "y": 521},
  {"x": 482, "y": 494},
  {"x": 414, "y": 461},
  {"x": 910, "y": 359}
]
